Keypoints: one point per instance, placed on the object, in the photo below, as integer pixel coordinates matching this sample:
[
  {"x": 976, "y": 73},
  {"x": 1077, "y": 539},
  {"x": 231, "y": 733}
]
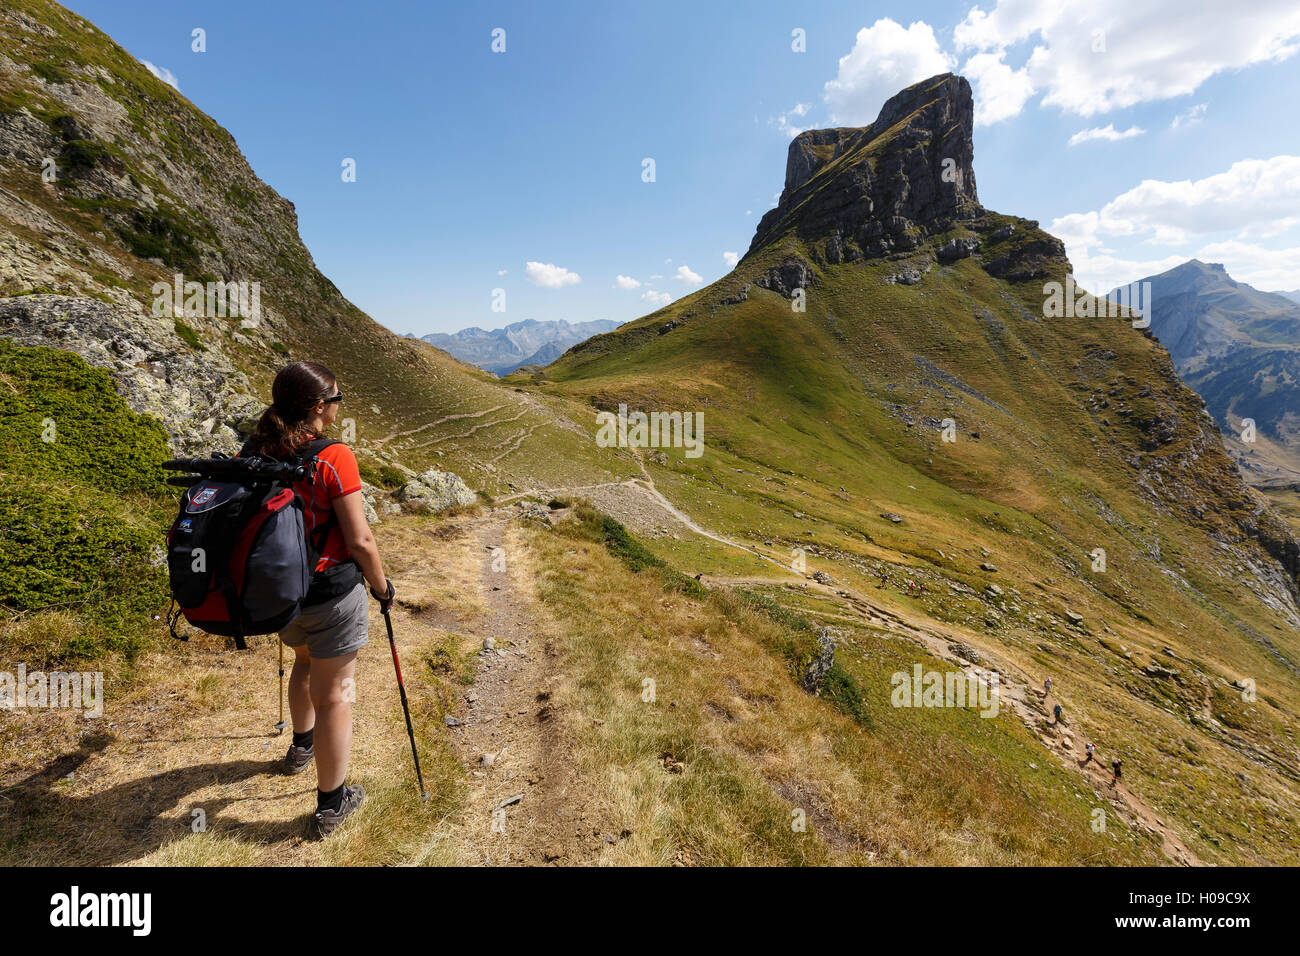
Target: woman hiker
[{"x": 333, "y": 624}]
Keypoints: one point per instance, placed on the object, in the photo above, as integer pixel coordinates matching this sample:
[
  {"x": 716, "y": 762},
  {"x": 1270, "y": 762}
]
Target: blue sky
[{"x": 472, "y": 164}]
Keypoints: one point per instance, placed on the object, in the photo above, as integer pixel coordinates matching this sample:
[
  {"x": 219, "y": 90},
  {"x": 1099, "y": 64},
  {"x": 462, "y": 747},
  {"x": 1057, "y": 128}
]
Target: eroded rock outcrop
[{"x": 852, "y": 193}]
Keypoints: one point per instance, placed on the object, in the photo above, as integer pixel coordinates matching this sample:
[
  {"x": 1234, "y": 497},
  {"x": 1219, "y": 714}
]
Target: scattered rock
[
  {"x": 820, "y": 665},
  {"x": 671, "y": 763},
  {"x": 434, "y": 491},
  {"x": 959, "y": 248}
]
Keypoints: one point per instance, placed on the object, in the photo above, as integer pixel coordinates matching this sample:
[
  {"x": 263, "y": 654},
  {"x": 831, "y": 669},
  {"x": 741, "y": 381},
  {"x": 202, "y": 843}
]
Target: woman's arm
[{"x": 360, "y": 541}]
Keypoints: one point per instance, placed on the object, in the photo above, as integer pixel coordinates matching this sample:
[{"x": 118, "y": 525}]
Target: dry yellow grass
[{"x": 754, "y": 751}]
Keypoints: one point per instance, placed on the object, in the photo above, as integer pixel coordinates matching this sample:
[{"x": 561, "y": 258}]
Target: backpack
[{"x": 239, "y": 559}]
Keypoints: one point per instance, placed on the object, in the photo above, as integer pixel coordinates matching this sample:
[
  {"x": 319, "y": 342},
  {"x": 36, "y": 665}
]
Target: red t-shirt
[{"x": 336, "y": 475}]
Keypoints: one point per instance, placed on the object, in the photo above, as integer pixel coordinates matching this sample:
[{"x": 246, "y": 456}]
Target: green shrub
[
  {"x": 83, "y": 504},
  {"x": 385, "y": 476},
  {"x": 51, "y": 73},
  {"x": 158, "y": 235},
  {"x": 81, "y": 155},
  {"x": 189, "y": 336}
]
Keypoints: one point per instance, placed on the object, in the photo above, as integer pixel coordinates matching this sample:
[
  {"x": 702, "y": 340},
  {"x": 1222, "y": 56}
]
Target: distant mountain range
[
  {"x": 530, "y": 342},
  {"x": 1239, "y": 349}
]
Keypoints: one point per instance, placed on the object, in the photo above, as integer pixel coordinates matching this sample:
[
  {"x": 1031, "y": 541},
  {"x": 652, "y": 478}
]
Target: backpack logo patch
[{"x": 204, "y": 496}]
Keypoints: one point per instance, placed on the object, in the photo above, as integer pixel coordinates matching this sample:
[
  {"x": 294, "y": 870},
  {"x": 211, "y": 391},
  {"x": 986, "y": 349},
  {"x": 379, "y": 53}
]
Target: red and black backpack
[{"x": 239, "y": 558}]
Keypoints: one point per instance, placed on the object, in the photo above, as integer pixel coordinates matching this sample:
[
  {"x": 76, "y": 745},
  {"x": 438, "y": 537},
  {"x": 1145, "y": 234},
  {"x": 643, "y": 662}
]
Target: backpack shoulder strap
[
  {"x": 308, "y": 452},
  {"x": 314, "y": 448}
]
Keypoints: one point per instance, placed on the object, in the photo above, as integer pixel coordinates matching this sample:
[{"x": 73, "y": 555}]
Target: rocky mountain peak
[{"x": 864, "y": 192}]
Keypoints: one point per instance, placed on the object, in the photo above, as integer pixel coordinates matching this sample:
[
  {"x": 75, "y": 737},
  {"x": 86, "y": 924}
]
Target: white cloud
[
  {"x": 999, "y": 91},
  {"x": 502, "y": 272},
  {"x": 656, "y": 298},
  {"x": 164, "y": 74},
  {"x": 885, "y": 58},
  {"x": 1251, "y": 200},
  {"x": 1190, "y": 116},
  {"x": 731, "y": 258},
  {"x": 1093, "y": 56},
  {"x": 1266, "y": 269},
  {"x": 783, "y": 123},
  {"x": 550, "y": 276},
  {"x": 1107, "y": 132},
  {"x": 1248, "y": 193},
  {"x": 684, "y": 274},
  {"x": 626, "y": 282}
]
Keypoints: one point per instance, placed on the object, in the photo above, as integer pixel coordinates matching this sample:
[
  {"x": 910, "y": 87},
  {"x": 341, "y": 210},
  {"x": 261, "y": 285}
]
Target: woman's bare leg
[
  {"x": 333, "y": 706},
  {"x": 301, "y": 710}
]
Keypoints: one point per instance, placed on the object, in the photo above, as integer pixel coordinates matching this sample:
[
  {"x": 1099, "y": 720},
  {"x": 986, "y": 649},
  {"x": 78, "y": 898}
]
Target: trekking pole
[
  {"x": 279, "y": 728},
  {"x": 406, "y": 708}
]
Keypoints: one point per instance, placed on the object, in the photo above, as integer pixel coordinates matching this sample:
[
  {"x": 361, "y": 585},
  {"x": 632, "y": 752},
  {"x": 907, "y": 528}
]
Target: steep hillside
[
  {"x": 115, "y": 192},
  {"x": 145, "y": 187},
  {"x": 1239, "y": 349},
  {"x": 824, "y": 431}
]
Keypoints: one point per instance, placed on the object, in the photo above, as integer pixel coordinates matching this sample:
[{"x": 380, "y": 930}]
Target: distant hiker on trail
[
  {"x": 1115, "y": 766},
  {"x": 1056, "y": 712},
  {"x": 334, "y": 623},
  {"x": 1047, "y": 686},
  {"x": 1091, "y": 749}
]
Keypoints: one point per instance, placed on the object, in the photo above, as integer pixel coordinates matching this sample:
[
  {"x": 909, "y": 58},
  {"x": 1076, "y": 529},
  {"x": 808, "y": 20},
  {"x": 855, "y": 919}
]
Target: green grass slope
[{"x": 1072, "y": 435}]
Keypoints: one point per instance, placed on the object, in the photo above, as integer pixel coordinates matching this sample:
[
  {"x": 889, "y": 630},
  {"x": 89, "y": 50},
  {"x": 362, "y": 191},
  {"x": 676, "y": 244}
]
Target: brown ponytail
[{"x": 282, "y": 429}]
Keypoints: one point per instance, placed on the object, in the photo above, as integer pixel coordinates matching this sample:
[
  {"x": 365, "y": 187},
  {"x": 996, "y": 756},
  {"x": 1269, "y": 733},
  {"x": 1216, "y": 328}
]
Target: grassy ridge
[{"x": 1072, "y": 435}]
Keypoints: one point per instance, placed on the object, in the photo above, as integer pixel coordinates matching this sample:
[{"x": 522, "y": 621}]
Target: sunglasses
[{"x": 332, "y": 401}]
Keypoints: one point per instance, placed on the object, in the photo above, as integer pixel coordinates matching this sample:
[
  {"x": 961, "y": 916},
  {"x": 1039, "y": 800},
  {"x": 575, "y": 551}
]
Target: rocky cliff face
[
  {"x": 114, "y": 188},
  {"x": 110, "y": 183},
  {"x": 854, "y": 193},
  {"x": 201, "y": 399}
]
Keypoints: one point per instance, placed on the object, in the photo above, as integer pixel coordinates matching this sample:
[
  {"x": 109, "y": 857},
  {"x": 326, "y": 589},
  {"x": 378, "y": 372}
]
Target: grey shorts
[{"x": 333, "y": 628}]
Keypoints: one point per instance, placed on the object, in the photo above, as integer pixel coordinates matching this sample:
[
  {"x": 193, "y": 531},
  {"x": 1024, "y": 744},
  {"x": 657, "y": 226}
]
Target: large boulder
[
  {"x": 434, "y": 491},
  {"x": 820, "y": 665}
]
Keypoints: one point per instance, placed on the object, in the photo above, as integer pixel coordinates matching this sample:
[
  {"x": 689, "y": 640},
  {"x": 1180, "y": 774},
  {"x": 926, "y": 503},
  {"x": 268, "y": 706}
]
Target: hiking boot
[
  {"x": 325, "y": 822},
  {"x": 297, "y": 759}
]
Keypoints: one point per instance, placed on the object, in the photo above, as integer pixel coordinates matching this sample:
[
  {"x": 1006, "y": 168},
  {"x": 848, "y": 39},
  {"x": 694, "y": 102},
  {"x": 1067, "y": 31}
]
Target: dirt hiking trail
[
  {"x": 526, "y": 803},
  {"x": 193, "y": 739}
]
